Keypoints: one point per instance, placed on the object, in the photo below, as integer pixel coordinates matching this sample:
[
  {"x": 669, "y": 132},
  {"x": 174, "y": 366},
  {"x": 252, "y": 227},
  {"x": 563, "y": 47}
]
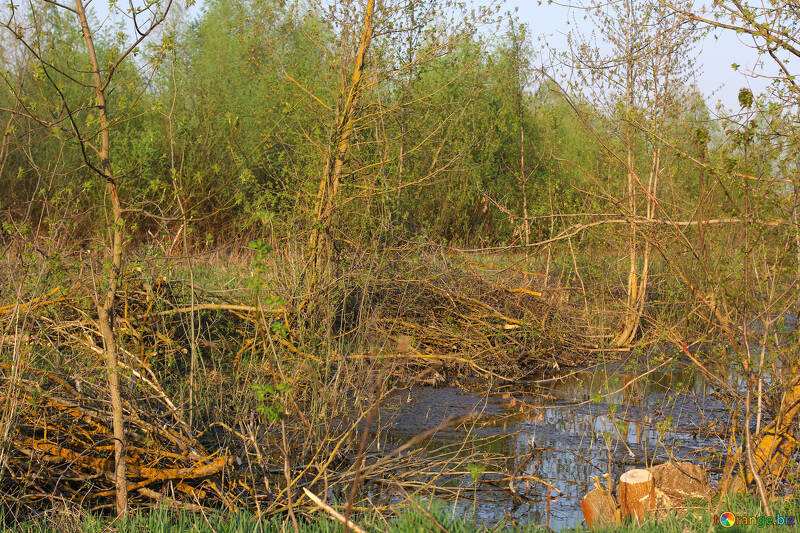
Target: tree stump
[
  {"x": 599, "y": 508},
  {"x": 678, "y": 482},
  {"x": 636, "y": 493}
]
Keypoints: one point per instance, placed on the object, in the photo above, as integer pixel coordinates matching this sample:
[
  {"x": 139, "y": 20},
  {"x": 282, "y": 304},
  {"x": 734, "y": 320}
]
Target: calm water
[{"x": 565, "y": 432}]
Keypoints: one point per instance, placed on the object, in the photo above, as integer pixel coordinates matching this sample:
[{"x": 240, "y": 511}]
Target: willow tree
[
  {"x": 638, "y": 70},
  {"x": 338, "y": 145},
  {"x": 89, "y": 120},
  {"x": 381, "y": 50}
]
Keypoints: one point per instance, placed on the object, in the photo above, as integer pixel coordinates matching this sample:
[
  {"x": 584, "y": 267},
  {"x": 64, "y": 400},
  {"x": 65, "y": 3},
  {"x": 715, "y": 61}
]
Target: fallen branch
[{"x": 333, "y": 512}]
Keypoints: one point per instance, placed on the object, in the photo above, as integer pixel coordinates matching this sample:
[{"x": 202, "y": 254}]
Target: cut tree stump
[
  {"x": 599, "y": 508},
  {"x": 636, "y": 493},
  {"x": 677, "y": 482}
]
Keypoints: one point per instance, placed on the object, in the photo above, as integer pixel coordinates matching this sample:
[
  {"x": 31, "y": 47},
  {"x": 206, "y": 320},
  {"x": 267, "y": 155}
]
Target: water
[{"x": 560, "y": 435}]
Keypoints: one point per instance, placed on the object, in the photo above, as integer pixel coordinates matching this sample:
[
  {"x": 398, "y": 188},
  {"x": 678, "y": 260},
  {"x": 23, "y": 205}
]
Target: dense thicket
[{"x": 228, "y": 115}]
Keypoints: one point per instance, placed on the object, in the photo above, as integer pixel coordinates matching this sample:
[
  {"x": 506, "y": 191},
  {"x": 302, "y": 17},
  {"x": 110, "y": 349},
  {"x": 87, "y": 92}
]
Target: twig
[{"x": 333, "y": 512}]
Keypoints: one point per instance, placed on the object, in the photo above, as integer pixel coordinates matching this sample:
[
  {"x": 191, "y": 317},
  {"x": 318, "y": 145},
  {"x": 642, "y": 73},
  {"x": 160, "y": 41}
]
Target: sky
[{"x": 716, "y": 79}]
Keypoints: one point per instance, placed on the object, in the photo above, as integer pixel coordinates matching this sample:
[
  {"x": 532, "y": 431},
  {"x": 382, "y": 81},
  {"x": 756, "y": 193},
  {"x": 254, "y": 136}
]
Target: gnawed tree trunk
[
  {"x": 599, "y": 509},
  {"x": 638, "y": 282},
  {"x": 774, "y": 445},
  {"x": 337, "y": 149},
  {"x": 106, "y": 307},
  {"x": 631, "y": 321},
  {"x": 678, "y": 482},
  {"x": 659, "y": 490},
  {"x": 659, "y": 52}
]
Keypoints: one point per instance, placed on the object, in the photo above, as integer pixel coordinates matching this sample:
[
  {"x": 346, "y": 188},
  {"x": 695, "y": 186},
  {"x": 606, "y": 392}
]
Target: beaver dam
[{"x": 486, "y": 393}]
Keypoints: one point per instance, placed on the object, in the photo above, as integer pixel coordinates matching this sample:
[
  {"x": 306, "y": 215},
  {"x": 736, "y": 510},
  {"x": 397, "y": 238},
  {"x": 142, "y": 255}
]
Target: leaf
[
  {"x": 745, "y": 98},
  {"x": 279, "y": 329},
  {"x": 475, "y": 471}
]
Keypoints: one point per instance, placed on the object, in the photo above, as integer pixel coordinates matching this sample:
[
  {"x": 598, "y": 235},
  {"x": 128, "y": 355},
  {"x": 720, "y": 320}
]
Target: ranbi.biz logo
[{"x": 729, "y": 519}]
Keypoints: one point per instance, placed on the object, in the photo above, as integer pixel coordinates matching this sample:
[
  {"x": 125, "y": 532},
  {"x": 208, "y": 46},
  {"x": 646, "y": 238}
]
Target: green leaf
[{"x": 475, "y": 471}]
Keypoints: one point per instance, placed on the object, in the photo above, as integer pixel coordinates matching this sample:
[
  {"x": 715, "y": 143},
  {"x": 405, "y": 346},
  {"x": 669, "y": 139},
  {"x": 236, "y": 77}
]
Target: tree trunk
[
  {"x": 106, "y": 307},
  {"x": 599, "y": 509},
  {"x": 524, "y": 178},
  {"x": 636, "y": 493},
  {"x": 631, "y": 321},
  {"x": 775, "y": 444},
  {"x": 678, "y": 482},
  {"x": 337, "y": 149},
  {"x": 636, "y": 314}
]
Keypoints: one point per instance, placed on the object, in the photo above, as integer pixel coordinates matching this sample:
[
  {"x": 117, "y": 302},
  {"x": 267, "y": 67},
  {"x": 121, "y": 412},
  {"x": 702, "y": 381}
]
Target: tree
[
  {"x": 648, "y": 63},
  {"x": 760, "y": 171},
  {"x": 373, "y": 90},
  {"x": 93, "y": 135},
  {"x": 338, "y": 145},
  {"x": 772, "y": 27}
]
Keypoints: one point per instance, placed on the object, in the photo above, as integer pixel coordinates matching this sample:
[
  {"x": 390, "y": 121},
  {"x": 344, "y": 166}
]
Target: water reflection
[{"x": 562, "y": 435}]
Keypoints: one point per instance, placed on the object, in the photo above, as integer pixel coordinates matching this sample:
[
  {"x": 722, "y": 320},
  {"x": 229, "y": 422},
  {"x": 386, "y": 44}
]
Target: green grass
[
  {"x": 165, "y": 521},
  {"x": 410, "y": 521}
]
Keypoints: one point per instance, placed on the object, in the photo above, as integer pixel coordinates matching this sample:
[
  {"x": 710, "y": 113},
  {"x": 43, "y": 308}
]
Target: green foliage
[
  {"x": 262, "y": 250},
  {"x": 432, "y": 517},
  {"x": 271, "y": 400},
  {"x": 475, "y": 471},
  {"x": 238, "y": 108},
  {"x": 745, "y": 98}
]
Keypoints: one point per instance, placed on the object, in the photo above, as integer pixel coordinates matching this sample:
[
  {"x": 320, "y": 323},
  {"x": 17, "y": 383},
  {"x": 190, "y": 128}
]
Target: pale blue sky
[{"x": 716, "y": 78}]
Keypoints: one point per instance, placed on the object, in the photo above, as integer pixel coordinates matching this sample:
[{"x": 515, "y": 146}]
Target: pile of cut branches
[
  {"x": 57, "y": 441},
  {"x": 60, "y": 447},
  {"x": 456, "y": 316},
  {"x": 57, "y": 433}
]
